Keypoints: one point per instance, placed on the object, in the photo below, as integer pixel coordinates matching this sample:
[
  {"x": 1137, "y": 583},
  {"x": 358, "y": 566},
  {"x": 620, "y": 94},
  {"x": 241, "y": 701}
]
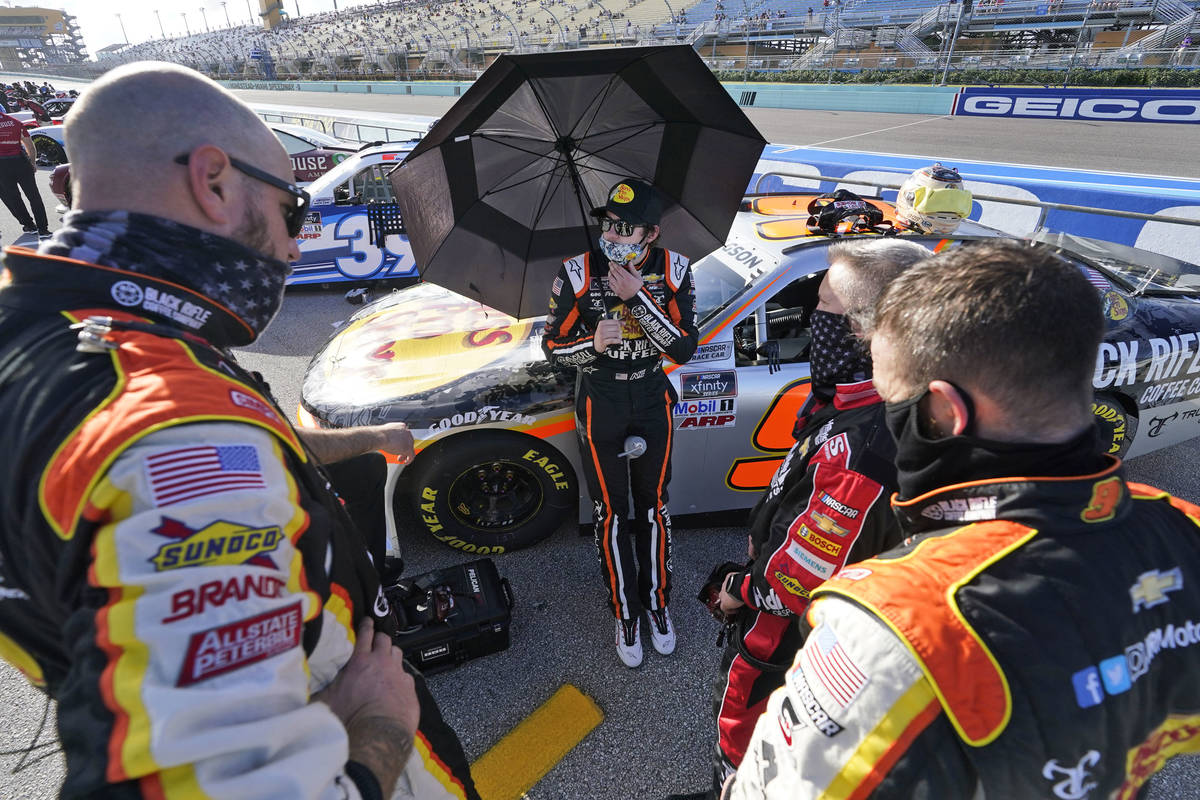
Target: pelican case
[{"x": 453, "y": 614}]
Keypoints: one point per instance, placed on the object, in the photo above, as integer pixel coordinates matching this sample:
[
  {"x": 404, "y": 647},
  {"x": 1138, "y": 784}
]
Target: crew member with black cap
[{"x": 615, "y": 311}]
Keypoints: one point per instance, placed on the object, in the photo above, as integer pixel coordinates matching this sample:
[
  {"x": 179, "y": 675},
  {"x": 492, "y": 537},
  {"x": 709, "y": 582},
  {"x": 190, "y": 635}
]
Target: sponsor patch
[
  {"x": 229, "y": 647},
  {"x": 849, "y": 512},
  {"x": 823, "y": 434},
  {"x": 817, "y": 566},
  {"x": 854, "y": 573},
  {"x": 1152, "y": 587},
  {"x": 787, "y": 720},
  {"x": 790, "y": 584},
  {"x": 219, "y": 543},
  {"x": 712, "y": 352},
  {"x": 817, "y": 715},
  {"x": 818, "y": 541},
  {"x": 251, "y": 402},
  {"x": 962, "y": 509},
  {"x": 826, "y": 524},
  {"x": 157, "y": 301},
  {"x": 1071, "y": 783},
  {"x": 186, "y": 473},
  {"x": 621, "y": 193},
  {"x": 699, "y": 385},
  {"x": 214, "y": 594},
  {"x": 833, "y": 667},
  {"x": 1175, "y": 735}
]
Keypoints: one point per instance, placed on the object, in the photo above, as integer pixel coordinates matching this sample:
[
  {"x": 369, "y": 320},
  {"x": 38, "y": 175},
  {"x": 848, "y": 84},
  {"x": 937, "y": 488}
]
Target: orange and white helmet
[{"x": 933, "y": 200}]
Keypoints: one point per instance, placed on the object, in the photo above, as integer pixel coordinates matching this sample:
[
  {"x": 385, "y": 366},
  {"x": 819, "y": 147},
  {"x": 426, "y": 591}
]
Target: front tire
[
  {"x": 1115, "y": 424},
  {"x": 49, "y": 151},
  {"x": 491, "y": 491}
]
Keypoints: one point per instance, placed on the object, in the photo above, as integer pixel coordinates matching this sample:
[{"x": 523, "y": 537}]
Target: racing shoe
[
  {"x": 30, "y": 228},
  {"x": 662, "y": 632},
  {"x": 629, "y": 642}
]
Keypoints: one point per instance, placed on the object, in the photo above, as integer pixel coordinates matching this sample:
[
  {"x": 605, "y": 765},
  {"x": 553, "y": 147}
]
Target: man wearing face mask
[
  {"x": 826, "y": 505},
  {"x": 174, "y": 568},
  {"x": 614, "y": 313},
  {"x": 1033, "y": 636}
]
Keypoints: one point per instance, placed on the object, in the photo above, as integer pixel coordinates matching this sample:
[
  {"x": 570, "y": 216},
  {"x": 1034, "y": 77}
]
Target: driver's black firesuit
[
  {"x": 1045, "y": 645},
  {"x": 623, "y": 392},
  {"x": 826, "y": 506},
  {"x": 174, "y": 569}
]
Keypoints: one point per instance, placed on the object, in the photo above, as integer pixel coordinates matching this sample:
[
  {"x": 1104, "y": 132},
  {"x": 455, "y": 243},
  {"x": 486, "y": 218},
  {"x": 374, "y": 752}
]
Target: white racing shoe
[
  {"x": 629, "y": 642},
  {"x": 662, "y": 632}
]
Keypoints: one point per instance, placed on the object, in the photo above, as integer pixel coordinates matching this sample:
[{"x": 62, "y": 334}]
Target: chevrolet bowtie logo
[{"x": 1152, "y": 587}]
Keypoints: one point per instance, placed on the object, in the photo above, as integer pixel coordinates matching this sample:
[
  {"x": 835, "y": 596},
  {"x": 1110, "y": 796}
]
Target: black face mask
[
  {"x": 925, "y": 463},
  {"x": 836, "y": 355}
]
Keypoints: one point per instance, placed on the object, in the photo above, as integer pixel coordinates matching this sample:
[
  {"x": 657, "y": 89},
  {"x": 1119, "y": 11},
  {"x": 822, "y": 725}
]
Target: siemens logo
[{"x": 1134, "y": 106}]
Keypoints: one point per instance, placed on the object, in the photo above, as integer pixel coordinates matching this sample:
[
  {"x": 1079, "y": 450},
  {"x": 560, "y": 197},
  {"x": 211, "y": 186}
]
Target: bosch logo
[{"x": 127, "y": 293}]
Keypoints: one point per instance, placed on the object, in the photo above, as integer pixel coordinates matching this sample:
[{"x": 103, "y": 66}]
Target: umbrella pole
[{"x": 565, "y": 145}]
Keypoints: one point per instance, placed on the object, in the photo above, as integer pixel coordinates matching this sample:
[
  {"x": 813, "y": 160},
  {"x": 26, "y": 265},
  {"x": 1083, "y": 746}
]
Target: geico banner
[{"x": 1125, "y": 105}]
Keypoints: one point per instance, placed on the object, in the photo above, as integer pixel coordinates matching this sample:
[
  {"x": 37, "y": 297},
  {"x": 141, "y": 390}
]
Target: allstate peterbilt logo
[{"x": 1137, "y": 105}]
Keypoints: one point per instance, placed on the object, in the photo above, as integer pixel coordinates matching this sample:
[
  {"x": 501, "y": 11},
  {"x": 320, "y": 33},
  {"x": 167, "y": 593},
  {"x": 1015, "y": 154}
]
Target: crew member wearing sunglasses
[
  {"x": 187, "y": 585},
  {"x": 615, "y": 311}
]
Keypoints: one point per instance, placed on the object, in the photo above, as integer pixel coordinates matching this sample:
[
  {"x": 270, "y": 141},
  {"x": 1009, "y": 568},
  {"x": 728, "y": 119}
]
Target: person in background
[
  {"x": 827, "y": 504},
  {"x": 176, "y": 571},
  {"x": 1035, "y": 634},
  {"x": 615, "y": 312},
  {"x": 18, "y": 173}
]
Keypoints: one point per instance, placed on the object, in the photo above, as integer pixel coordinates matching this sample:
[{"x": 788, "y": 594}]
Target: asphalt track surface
[{"x": 657, "y": 731}]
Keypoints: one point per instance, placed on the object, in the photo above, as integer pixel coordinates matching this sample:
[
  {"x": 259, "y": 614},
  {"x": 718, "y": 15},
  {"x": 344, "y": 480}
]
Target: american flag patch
[
  {"x": 190, "y": 472},
  {"x": 556, "y": 287},
  {"x": 1096, "y": 279},
  {"x": 833, "y": 667}
]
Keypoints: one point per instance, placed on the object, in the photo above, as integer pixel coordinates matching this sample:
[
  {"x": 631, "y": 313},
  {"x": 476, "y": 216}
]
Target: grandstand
[
  {"x": 406, "y": 39},
  {"x": 33, "y": 38}
]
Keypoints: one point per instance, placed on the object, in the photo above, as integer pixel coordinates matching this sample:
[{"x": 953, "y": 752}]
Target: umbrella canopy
[{"x": 499, "y": 192}]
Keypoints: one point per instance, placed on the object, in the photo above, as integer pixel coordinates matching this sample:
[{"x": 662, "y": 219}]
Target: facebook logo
[
  {"x": 1115, "y": 674},
  {"x": 1087, "y": 687}
]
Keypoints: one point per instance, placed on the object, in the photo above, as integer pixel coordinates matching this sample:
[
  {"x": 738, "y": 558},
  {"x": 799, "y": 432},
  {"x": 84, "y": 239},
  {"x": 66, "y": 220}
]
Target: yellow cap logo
[{"x": 622, "y": 194}]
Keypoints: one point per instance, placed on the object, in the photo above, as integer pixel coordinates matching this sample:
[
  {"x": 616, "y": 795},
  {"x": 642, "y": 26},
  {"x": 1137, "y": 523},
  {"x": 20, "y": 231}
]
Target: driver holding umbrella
[{"x": 615, "y": 311}]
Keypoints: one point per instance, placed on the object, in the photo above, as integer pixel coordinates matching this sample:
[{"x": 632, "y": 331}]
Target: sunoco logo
[{"x": 127, "y": 293}]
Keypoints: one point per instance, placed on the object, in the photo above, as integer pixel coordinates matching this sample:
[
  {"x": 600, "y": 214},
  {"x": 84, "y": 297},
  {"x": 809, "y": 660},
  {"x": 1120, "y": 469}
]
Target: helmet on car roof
[{"x": 933, "y": 200}]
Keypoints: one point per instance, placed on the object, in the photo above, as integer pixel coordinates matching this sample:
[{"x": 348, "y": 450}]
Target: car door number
[
  {"x": 772, "y": 435},
  {"x": 365, "y": 259}
]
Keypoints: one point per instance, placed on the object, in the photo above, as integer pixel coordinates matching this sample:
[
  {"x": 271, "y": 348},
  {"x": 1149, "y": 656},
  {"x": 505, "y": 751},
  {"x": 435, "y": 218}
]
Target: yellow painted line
[{"x": 526, "y": 753}]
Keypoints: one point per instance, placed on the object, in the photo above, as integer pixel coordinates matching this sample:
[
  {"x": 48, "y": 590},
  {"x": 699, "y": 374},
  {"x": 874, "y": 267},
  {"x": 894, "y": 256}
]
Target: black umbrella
[{"x": 499, "y": 192}]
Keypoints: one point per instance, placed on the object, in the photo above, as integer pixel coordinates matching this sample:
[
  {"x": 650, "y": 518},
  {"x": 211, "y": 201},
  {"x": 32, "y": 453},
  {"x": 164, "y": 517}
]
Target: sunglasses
[
  {"x": 622, "y": 227},
  {"x": 293, "y": 216}
]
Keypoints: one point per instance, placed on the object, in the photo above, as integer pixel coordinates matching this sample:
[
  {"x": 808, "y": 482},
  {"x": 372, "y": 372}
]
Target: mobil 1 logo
[{"x": 707, "y": 400}]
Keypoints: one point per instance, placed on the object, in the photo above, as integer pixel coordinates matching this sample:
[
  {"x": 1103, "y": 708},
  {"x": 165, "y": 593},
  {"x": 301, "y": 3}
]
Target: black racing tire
[
  {"x": 1115, "y": 423},
  {"x": 491, "y": 491},
  {"x": 49, "y": 151}
]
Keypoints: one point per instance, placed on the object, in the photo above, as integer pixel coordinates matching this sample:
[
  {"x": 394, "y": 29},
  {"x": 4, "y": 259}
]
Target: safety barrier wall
[
  {"x": 1146, "y": 194},
  {"x": 901, "y": 99},
  {"x": 1123, "y": 105}
]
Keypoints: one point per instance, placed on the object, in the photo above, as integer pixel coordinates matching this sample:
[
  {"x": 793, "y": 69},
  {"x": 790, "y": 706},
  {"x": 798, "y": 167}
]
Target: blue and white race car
[{"x": 335, "y": 244}]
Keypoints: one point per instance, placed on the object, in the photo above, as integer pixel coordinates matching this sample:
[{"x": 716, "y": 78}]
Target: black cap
[{"x": 634, "y": 201}]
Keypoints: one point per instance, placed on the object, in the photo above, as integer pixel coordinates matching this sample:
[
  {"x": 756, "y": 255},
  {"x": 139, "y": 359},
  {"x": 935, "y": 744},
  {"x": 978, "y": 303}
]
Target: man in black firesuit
[
  {"x": 175, "y": 569},
  {"x": 615, "y": 311},
  {"x": 1036, "y": 634},
  {"x": 827, "y": 504}
]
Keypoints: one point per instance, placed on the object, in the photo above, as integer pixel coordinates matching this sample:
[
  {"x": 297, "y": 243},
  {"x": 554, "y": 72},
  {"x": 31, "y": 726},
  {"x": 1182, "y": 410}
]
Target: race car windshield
[
  {"x": 715, "y": 284},
  {"x": 1140, "y": 272}
]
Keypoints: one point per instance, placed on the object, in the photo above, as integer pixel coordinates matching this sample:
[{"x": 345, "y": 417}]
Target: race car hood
[{"x": 424, "y": 355}]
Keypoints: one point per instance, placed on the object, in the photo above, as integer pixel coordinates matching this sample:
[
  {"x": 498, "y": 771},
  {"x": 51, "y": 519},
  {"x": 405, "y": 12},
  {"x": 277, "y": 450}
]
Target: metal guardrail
[{"x": 1044, "y": 206}]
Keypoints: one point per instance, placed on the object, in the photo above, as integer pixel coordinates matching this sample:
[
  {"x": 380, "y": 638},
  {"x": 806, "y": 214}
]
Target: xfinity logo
[{"x": 1174, "y": 109}]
